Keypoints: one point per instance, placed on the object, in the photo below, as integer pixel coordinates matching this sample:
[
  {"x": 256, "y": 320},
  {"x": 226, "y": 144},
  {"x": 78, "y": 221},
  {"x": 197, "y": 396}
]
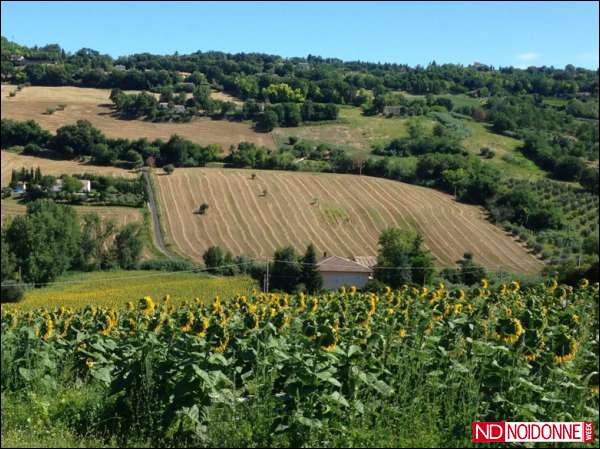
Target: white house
[
  {"x": 120, "y": 67},
  {"x": 86, "y": 186},
  {"x": 163, "y": 105},
  {"x": 337, "y": 271},
  {"x": 179, "y": 108}
]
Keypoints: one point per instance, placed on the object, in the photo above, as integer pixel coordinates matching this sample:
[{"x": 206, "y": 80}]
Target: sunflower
[
  {"x": 251, "y": 322},
  {"x": 314, "y": 304},
  {"x": 147, "y": 305},
  {"x": 89, "y": 363},
  {"x": 189, "y": 321},
  {"x": 402, "y": 333},
  {"x": 328, "y": 340},
  {"x": 201, "y": 325},
  {"x": 560, "y": 293},
  {"x": 484, "y": 284},
  {"x": 584, "y": 283},
  {"x": 553, "y": 284},
  {"x": 309, "y": 329},
  {"x": 301, "y": 303},
  {"x": 515, "y": 286},
  {"x": 565, "y": 349},
  {"x": 49, "y": 327},
  {"x": 509, "y": 330},
  {"x": 223, "y": 343},
  {"x": 130, "y": 306},
  {"x": 108, "y": 325}
]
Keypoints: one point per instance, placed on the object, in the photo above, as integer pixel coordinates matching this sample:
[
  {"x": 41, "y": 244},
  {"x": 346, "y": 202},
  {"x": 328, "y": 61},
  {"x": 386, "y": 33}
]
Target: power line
[{"x": 500, "y": 269}]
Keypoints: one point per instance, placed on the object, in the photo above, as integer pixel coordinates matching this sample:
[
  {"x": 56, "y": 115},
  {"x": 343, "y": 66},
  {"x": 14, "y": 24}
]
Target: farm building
[
  {"x": 337, "y": 271},
  {"x": 392, "y": 110},
  {"x": 120, "y": 67},
  {"x": 179, "y": 108},
  {"x": 163, "y": 105}
]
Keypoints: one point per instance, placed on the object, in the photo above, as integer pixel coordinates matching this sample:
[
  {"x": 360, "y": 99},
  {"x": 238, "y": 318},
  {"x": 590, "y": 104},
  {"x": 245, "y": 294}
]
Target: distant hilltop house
[
  {"x": 120, "y": 67},
  {"x": 303, "y": 65},
  {"x": 392, "y": 110},
  {"x": 179, "y": 108},
  {"x": 163, "y": 105},
  {"x": 59, "y": 184},
  {"x": 337, "y": 271},
  {"x": 184, "y": 74},
  {"x": 17, "y": 58}
]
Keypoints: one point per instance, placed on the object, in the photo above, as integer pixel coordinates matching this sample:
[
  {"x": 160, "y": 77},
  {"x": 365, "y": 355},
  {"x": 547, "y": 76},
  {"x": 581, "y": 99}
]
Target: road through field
[{"x": 339, "y": 214}]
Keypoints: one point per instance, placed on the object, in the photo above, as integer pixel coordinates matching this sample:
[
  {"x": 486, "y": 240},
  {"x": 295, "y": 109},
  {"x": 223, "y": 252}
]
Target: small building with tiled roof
[{"x": 337, "y": 271}]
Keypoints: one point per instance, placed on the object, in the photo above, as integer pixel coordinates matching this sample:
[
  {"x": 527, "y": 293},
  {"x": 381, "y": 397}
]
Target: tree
[
  {"x": 213, "y": 259},
  {"x": 71, "y": 184},
  {"x": 311, "y": 277},
  {"x": 569, "y": 168},
  {"x": 401, "y": 258},
  {"x": 169, "y": 168},
  {"x": 589, "y": 180},
  {"x": 286, "y": 272},
  {"x": 44, "y": 241},
  {"x": 470, "y": 272},
  {"x": 94, "y": 253},
  {"x": 202, "y": 209},
  {"x": 267, "y": 121},
  {"x": 128, "y": 245}
]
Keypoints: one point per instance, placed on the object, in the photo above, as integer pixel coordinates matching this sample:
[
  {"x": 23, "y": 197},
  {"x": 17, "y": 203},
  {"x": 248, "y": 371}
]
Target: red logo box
[{"x": 532, "y": 432}]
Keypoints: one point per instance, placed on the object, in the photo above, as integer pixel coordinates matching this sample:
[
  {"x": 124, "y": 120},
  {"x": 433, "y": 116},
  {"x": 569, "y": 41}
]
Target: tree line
[
  {"x": 51, "y": 239},
  {"x": 249, "y": 75}
]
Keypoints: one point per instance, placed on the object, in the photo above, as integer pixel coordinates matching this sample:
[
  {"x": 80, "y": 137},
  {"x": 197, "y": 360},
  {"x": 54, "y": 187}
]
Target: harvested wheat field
[
  {"x": 121, "y": 215},
  {"x": 340, "y": 214},
  {"x": 53, "y": 167},
  {"x": 94, "y": 105}
]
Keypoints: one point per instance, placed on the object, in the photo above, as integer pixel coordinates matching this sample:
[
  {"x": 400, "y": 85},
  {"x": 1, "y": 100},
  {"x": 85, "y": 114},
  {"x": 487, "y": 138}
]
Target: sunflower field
[{"x": 408, "y": 367}]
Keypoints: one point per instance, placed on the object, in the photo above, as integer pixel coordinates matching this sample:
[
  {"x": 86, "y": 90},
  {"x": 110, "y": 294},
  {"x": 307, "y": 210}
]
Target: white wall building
[{"x": 337, "y": 271}]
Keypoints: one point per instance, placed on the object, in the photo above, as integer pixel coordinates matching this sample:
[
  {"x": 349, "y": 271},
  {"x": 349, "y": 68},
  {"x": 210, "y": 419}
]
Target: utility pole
[{"x": 266, "y": 282}]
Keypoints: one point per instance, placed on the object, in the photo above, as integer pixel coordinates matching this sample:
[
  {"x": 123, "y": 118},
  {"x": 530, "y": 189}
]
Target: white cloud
[{"x": 528, "y": 56}]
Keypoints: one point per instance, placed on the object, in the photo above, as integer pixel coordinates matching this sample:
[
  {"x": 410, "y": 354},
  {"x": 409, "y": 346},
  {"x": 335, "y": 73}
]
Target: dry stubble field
[
  {"x": 94, "y": 105},
  {"x": 340, "y": 214},
  {"x": 53, "y": 167}
]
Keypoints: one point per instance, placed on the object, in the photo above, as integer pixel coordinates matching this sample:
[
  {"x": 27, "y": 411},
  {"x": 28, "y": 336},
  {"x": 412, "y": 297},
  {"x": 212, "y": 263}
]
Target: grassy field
[
  {"x": 94, "y": 105},
  {"x": 353, "y": 131},
  {"x": 116, "y": 288},
  {"x": 358, "y": 133},
  {"x": 508, "y": 158},
  {"x": 340, "y": 214}
]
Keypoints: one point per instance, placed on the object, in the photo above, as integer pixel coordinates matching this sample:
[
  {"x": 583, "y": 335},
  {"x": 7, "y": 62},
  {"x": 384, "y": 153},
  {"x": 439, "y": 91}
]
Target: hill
[
  {"x": 94, "y": 105},
  {"x": 339, "y": 214}
]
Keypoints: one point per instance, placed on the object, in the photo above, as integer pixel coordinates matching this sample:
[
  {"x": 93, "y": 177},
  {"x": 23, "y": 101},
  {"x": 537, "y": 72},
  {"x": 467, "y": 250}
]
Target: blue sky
[{"x": 501, "y": 34}]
